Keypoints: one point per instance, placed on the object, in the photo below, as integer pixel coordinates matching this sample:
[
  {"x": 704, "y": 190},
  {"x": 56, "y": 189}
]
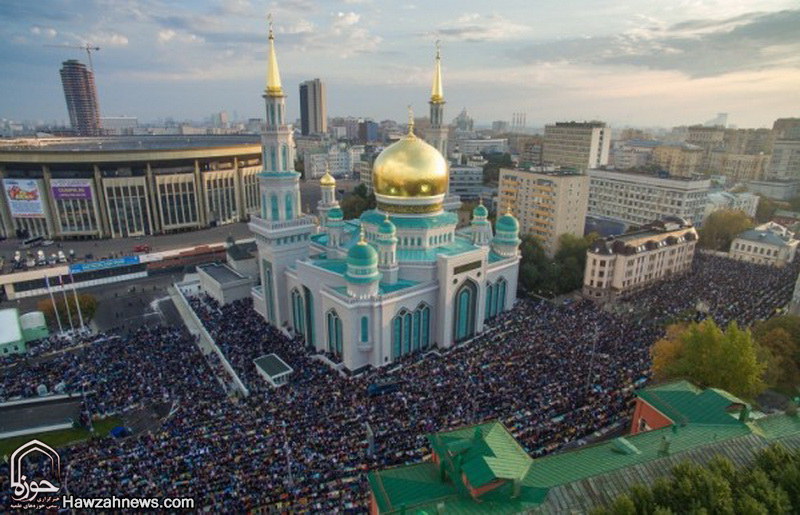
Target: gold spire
[
  {"x": 410, "y": 120},
  {"x": 362, "y": 240},
  {"x": 273, "y": 88},
  {"x": 437, "y": 93}
]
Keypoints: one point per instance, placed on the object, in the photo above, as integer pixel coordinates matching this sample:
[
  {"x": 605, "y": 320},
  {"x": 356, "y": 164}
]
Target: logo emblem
[{"x": 26, "y": 489}]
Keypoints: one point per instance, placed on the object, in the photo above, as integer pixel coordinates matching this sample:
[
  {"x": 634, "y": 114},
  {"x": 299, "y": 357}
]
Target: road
[{"x": 99, "y": 249}]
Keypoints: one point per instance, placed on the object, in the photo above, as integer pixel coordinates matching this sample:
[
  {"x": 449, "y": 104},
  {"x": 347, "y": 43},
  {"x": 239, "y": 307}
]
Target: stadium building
[
  {"x": 398, "y": 280},
  {"x": 126, "y": 186}
]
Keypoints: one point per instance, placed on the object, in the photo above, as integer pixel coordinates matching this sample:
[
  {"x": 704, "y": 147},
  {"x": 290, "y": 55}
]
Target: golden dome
[
  {"x": 327, "y": 180},
  {"x": 410, "y": 168}
]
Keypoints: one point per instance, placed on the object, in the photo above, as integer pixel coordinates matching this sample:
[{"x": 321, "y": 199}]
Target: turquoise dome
[
  {"x": 335, "y": 214},
  {"x": 386, "y": 227},
  {"x": 362, "y": 254},
  {"x": 480, "y": 211},
  {"x": 508, "y": 223}
]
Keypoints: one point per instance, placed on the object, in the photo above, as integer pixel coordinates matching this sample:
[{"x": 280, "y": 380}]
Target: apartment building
[
  {"x": 546, "y": 203},
  {"x": 578, "y": 145}
]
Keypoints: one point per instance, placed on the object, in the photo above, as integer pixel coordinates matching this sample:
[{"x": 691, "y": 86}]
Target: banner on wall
[
  {"x": 24, "y": 198},
  {"x": 71, "y": 189}
]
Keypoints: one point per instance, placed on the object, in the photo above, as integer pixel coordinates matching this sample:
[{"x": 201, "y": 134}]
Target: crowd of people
[{"x": 552, "y": 374}]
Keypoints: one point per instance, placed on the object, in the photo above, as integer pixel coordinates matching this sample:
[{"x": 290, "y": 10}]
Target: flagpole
[
  {"x": 53, "y": 300},
  {"x": 77, "y": 304},
  {"x": 66, "y": 303}
]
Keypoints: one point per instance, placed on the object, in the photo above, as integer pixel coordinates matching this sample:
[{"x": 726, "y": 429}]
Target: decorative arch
[
  {"x": 488, "y": 309},
  {"x": 285, "y": 157},
  {"x": 500, "y": 295},
  {"x": 464, "y": 304},
  {"x": 309, "y": 315},
  {"x": 275, "y": 211},
  {"x": 297, "y": 312},
  {"x": 288, "y": 206}
]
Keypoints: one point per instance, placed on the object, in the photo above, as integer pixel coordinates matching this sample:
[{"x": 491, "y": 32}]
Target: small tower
[
  {"x": 481, "y": 228},
  {"x": 362, "y": 274},
  {"x": 335, "y": 227},
  {"x": 283, "y": 232},
  {"x": 506, "y": 241},
  {"x": 327, "y": 185},
  {"x": 387, "y": 251}
]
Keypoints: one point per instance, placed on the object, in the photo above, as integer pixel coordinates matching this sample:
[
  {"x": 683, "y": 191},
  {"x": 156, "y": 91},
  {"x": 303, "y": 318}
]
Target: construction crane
[{"x": 87, "y": 47}]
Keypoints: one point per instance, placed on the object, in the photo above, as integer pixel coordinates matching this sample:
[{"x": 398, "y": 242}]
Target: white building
[
  {"x": 488, "y": 145},
  {"x": 466, "y": 181},
  {"x": 744, "y": 201},
  {"x": 767, "y": 244},
  {"x": 398, "y": 280},
  {"x": 619, "y": 265},
  {"x": 637, "y": 198},
  {"x": 340, "y": 160}
]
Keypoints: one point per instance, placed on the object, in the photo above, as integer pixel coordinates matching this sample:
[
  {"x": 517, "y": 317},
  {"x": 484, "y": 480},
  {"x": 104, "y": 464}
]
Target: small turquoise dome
[
  {"x": 386, "y": 227},
  {"x": 480, "y": 211},
  {"x": 335, "y": 214},
  {"x": 508, "y": 223},
  {"x": 362, "y": 254}
]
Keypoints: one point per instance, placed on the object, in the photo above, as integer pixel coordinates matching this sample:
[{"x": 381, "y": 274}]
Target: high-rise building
[
  {"x": 313, "y": 108},
  {"x": 578, "y": 145},
  {"x": 81, "y": 96},
  {"x": 547, "y": 204}
]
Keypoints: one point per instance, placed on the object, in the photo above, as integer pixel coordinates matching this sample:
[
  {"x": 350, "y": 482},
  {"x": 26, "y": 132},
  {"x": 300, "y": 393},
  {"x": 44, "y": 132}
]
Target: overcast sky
[{"x": 627, "y": 62}]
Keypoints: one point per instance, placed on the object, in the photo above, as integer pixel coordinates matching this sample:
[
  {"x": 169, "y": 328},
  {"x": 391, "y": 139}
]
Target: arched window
[
  {"x": 397, "y": 334},
  {"x": 334, "y": 333},
  {"x": 425, "y": 322},
  {"x": 268, "y": 290},
  {"x": 501, "y": 295},
  {"x": 464, "y": 306},
  {"x": 488, "y": 311},
  {"x": 364, "y": 329},
  {"x": 288, "y": 207},
  {"x": 309, "y": 314},
  {"x": 415, "y": 343},
  {"x": 263, "y": 205},
  {"x": 274, "y": 208},
  {"x": 271, "y": 120},
  {"x": 285, "y": 156},
  {"x": 407, "y": 320},
  {"x": 297, "y": 311},
  {"x": 273, "y": 160}
]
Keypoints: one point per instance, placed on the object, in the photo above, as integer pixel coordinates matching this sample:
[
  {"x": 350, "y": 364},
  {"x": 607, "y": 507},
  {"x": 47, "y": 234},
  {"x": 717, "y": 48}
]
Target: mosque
[{"x": 401, "y": 279}]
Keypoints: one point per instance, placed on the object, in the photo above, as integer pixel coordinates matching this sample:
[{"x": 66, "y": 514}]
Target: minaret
[
  {"x": 387, "y": 251},
  {"x": 481, "y": 228},
  {"x": 436, "y": 135},
  {"x": 327, "y": 201},
  {"x": 283, "y": 232}
]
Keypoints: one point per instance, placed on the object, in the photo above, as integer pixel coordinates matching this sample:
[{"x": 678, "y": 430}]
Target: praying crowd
[{"x": 553, "y": 374}]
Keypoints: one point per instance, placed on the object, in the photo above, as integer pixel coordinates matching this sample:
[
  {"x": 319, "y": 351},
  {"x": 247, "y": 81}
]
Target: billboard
[
  {"x": 24, "y": 198},
  {"x": 71, "y": 189},
  {"x": 103, "y": 265}
]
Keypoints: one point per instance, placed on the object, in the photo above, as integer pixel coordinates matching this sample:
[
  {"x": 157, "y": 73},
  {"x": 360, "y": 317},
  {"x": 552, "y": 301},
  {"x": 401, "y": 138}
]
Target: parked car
[{"x": 142, "y": 248}]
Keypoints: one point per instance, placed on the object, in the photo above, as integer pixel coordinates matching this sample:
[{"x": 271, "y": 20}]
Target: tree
[
  {"x": 357, "y": 201},
  {"x": 495, "y": 161},
  {"x": 780, "y": 338},
  {"x": 721, "y": 227},
  {"x": 562, "y": 274},
  {"x": 710, "y": 357},
  {"x": 766, "y": 208},
  {"x": 87, "y": 302}
]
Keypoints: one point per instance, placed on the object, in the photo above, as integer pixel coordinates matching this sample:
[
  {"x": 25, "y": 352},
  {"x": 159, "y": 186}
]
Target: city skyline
[{"x": 676, "y": 64}]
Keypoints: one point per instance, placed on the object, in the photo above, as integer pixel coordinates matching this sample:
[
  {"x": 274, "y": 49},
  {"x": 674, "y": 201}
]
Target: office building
[
  {"x": 313, "y": 107},
  {"x": 784, "y": 164},
  {"x": 81, "y": 96},
  {"x": 577, "y": 145},
  {"x": 619, "y": 265},
  {"x": 398, "y": 280},
  {"x": 632, "y": 153},
  {"x": 745, "y": 202},
  {"x": 767, "y": 244},
  {"x": 637, "y": 199},
  {"x": 739, "y": 167},
  {"x": 546, "y": 203},
  {"x": 466, "y": 181}
]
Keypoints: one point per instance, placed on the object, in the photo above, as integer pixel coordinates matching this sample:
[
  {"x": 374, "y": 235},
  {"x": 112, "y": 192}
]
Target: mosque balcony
[{"x": 258, "y": 224}]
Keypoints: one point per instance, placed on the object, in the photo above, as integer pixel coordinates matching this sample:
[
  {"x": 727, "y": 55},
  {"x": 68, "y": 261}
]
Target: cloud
[
  {"x": 699, "y": 48},
  {"x": 48, "y": 32},
  {"x": 474, "y": 27},
  {"x": 170, "y": 36}
]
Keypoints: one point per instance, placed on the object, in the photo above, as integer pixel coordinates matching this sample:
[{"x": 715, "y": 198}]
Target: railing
[{"x": 284, "y": 224}]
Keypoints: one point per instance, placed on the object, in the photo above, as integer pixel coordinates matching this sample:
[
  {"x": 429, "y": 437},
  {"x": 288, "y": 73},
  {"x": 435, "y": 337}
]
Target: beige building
[
  {"x": 767, "y": 244},
  {"x": 739, "y": 167},
  {"x": 679, "y": 160},
  {"x": 547, "y": 204},
  {"x": 619, "y": 265},
  {"x": 578, "y": 145}
]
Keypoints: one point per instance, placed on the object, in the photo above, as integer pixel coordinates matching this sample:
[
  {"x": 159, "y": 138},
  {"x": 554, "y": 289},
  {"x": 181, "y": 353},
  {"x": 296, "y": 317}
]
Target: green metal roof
[
  {"x": 272, "y": 365},
  {"x": 507, "y": 222},
  {"x": 776, "y": 427},
  {"x": 362, "y": 254},
  {"x": 686, "y": 404},
  {"x": 338, "y": 266},
  {"x": 420, "y": 222}
]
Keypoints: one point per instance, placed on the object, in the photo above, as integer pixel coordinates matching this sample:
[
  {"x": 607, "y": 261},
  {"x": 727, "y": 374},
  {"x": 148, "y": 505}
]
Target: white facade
[
  {"x": 638, "y": 199},
  {"x": 579, "y": 145},
  {"x": 744, "y": 201},
  {"x": 768, "y": 244},
  {"x": 620, "y": 265}
]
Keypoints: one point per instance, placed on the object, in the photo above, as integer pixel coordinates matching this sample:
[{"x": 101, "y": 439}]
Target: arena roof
[{"x": 128, "y": 143}]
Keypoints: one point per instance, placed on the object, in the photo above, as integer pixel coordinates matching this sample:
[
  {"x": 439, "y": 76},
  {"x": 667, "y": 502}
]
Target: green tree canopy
[
  {"x": 710, "y": 357},
  {"x": 780, "y": 338},
  {"x": 563, "y": 273},
  {"x": 357, "y": 201},
  {"x": 721, "y": 227}
]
